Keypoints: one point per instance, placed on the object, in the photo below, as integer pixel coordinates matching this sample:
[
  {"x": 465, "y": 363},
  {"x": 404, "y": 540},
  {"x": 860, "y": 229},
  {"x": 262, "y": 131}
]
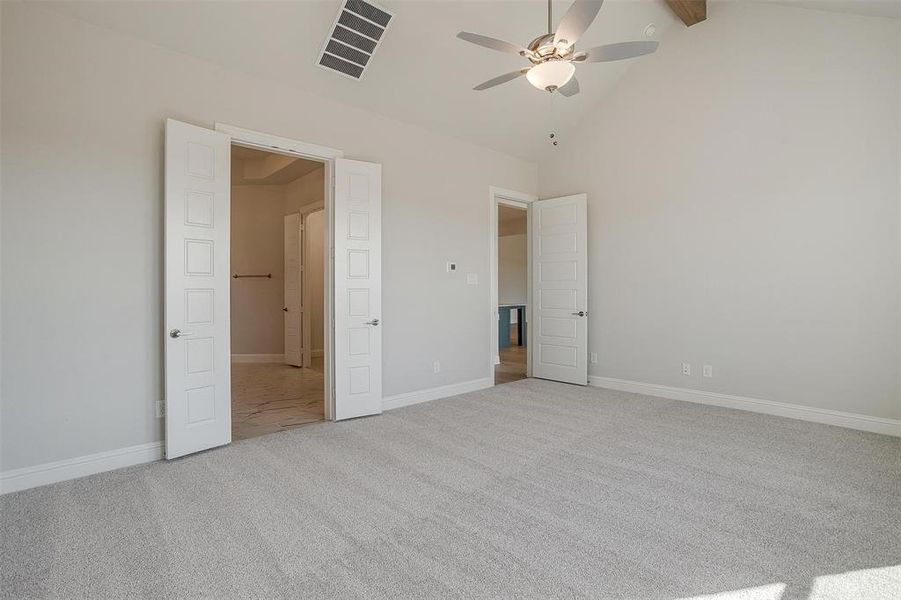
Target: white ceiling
[
  {"x": 421, "y": 73},
  {"x": 868, "y": 8}
]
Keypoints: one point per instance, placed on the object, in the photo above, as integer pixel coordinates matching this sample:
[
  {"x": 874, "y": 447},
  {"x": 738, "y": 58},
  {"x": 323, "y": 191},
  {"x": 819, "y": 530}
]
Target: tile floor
[{"x": 271, "y": 397}]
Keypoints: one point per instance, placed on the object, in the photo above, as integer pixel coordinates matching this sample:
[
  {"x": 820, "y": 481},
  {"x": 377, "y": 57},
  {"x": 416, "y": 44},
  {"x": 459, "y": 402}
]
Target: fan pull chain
[{"x": 554, "y": 135}]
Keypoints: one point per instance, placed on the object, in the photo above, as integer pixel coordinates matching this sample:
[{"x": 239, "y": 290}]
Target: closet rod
[{"x": 236, "y": 276}]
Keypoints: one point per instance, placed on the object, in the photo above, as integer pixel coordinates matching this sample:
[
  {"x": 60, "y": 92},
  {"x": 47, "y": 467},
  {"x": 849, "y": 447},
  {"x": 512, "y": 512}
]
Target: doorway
[
  {"x": 554, "y": 317},
  {"x": 198, "y": 278},
  {"x": 277, "y": 247},
  {"x": 512, "y": 292},
  {"x": 510, "y": 236}
]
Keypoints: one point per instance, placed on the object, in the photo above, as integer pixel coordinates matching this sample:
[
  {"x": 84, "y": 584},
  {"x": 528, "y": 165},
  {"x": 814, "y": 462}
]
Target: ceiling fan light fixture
[{"x": 551, "y": 75}]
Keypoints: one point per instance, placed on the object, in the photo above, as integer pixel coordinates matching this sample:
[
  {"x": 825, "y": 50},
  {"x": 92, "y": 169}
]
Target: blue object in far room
[{"x": 511, "y": 316}]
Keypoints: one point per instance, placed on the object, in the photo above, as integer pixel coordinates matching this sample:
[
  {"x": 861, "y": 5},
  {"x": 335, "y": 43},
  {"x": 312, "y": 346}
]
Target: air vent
[{"x": 355, "y": 35}]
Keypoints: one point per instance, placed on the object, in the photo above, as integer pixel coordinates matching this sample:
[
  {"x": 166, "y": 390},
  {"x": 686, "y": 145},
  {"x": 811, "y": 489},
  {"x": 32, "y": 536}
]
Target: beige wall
[
  {"x": 300, "y": 196},
  {"x": 257, "y": 247},
  {"x": 314, "y": 242},
  {"x": 305, "y": 191},
  {"x": 82, "y": 145},
  {"x": 743, "y": 191},
  {"x": 512, "y": 269}
]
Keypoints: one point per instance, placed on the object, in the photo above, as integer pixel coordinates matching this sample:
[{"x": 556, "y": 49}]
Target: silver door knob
[
  {"x": 177, "y": 333},
  {"x": 374, "y": 322},
  {"x": 581, "y": 313}
]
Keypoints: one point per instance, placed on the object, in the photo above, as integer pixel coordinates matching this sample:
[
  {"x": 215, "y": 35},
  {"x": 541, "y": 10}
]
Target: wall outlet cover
[
  {"x": 594, "y": 358},
  {"x": 686, "y": 369},
  {"x": 708, "y": 371}
]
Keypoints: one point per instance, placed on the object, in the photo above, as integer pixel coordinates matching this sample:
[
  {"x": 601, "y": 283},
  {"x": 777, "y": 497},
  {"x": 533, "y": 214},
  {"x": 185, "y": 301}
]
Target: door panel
[
  {"x": 293, "y": 294},
  {"x": 197, "y": 337},
  {"x": 358, "y": 289},
  {"x": 560, "y": 289}
]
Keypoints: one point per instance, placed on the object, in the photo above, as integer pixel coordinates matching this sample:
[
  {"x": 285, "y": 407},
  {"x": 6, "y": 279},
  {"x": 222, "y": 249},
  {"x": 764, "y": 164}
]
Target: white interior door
[
  {"x": 559, "y": 334},
  {"x": 358, "y": 289},
  {"x": 293, "y": 297},
  {"x": 197, "y": 337}
]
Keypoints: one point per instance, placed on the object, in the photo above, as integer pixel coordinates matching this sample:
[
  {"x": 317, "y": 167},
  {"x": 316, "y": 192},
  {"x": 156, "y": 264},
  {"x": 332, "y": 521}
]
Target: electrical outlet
[
  {"x": 436, "y": 366},
  {"x": 686, "y": 369},
  {"x": 594, "y": 358},
  {"x": 708, "y": 370},
  {"x": 160, "y": 409}
]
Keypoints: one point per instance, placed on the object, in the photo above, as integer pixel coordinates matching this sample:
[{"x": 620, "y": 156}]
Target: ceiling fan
[{"x": 553, "y": 54}]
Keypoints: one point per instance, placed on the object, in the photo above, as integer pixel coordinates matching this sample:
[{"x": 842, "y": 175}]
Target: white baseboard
[
  {"x": 781, "y": 409},
  {"x": 72, "y": 468},
  {"x": 258, "y": 358},
  {"x": 445, "y": 391},
  {"x": 317, "y": 353}
]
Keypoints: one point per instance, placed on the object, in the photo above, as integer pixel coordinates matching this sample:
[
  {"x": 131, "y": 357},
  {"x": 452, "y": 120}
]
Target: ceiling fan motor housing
[{"x": 543, "y": 48}]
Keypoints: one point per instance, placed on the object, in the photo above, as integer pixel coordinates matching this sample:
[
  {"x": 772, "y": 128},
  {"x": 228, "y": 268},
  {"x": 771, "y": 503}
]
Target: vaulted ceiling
[{"x": 421, "y": 73}]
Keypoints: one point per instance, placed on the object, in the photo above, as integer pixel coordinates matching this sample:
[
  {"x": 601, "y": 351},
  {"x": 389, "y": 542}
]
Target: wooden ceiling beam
[{"x": 690, "y": 11}]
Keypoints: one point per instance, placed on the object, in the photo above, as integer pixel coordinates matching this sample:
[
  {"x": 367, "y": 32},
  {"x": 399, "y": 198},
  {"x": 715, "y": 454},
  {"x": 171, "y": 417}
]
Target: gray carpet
[{"x": 527, "y": 490}]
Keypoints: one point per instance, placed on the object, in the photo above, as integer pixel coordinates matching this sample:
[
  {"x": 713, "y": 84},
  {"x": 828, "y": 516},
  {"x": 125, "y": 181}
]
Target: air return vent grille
[{"x": 355, "y": 35}]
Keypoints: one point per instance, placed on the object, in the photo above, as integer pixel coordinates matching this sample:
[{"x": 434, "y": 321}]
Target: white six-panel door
[
  {"x": 293, "y": 303},
  {"x": 197, "y": 344},
  {"x": 559, "y": 333},
  {"x": 358, "y": 289}
]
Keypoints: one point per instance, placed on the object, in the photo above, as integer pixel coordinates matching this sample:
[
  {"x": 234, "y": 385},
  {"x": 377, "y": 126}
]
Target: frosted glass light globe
[{"x": 551, "y": 74}]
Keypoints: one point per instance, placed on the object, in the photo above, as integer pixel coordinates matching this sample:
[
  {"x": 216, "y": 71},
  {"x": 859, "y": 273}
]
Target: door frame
[
  {"x": 281, "y": 145},
  {"x": 500, "y": 196}
]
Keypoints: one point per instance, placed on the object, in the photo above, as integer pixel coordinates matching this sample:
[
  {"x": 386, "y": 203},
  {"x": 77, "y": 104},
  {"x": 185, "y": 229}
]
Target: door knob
[
  {"x": 373, "y": 322},
  {"x": 177, "y": 333},
  {"x": 581, "y": 313}
]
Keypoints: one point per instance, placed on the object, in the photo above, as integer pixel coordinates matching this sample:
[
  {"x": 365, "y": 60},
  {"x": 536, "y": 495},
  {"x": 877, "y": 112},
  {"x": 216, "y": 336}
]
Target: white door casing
[
  {"x": 197, "y": 336},
  {"x": 293, "y": 309},
  {"x": 358, "y": 289},
  {"x": 560, "y": 289}
]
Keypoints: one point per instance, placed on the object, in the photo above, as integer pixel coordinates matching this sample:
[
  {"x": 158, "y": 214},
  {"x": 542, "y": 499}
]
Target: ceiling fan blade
[
  {"x": 492, "y": 43},
  {"x": 570, "y": 89},
  {"x": 619, "y": 51},
  {"x": 576, "y": 21},
  {"x": 501, "y": 79}
]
